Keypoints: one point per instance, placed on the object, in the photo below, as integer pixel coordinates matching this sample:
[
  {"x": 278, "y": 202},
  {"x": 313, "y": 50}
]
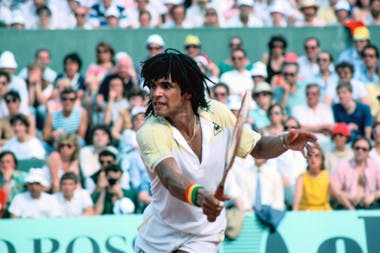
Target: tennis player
[{"x": 184, "y": 144}]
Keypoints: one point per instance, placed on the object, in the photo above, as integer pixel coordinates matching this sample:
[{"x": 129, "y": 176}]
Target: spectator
[
  {"x": 73, "y": 201},
  {"x": 68, "y": 120},
  {"x": 315, "y": 116},
  {"x": 178, "y": 18},
  {"x": 35, "y": 203},
  {"x": 327, "y": 13},
  {"x": 101, "y": 139},
  {"x": 113, "y": 199},
  {"x": 342, "y": 12},
  {"x": 64, "y": 158},
  {"x": 326, "y": 76},
  {"x": 140, "y": 7},
  {"x": 315, "y": 185},
  {"x": 357, "y": 115},
  {"x": 72, "y": 66},
  {"x": 276, "y": 116},
  {"x": 291, "y": 91},
  {"x": 29, "y": 11},
  {"x": 23, "y": 144},
  {"x": 221, "y": 92},
  {"x": 309, "y": 9},
  {"x": 228, "y": 64},
  {"x": 43, "y": 57},
  {"x": 81, "y": 18},
  {"x": 239, "y": 79},
  {"x": 97, "y": 15},
  {"x": 275, "y": 57},
  {"x": 290, "y": 164},
  {"x": 246, "y": 16},
  {"x": 277, "y": 15},
  {"x": 44, "y": 20},
  {"x": 262, "y": 95},
  {"x": 341, "y": 152},
  {"x": 308, "y": 62},
  {"x": 368, "y": 72},
  {"x": 361, "y": 11},
  {"x": 375, "y": 12},
  {"x": 258, "y": 72},
  {"x": 375, "y": 152},
  {"x": 39, "y": 91},
  {"x": 11, "y": 179},
  {"x": 17, "y": 20},
  {"x": 211, "y": 18},
  {"x": 9, "y": 65},
  {"x": 359, "y": 178},
  {"x": 345, "y": 72},
  {"x": 12, "y": 100}
]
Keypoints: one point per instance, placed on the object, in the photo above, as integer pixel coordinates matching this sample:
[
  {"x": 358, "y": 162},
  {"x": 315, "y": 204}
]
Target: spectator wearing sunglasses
[{"x": 359, "y": 177}]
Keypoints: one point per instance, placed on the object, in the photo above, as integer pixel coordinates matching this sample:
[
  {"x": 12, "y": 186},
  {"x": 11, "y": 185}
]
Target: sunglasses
[
  {"x": 322, "y": 60},
  {"x": 68, "y": 99},
  {"x": 264, "y": 94},
  {"x": 68, "y": 145},
  {"x": 311, "y": 93},
  {"x": 150, "y": 48},
  {"x": 237, "y": 58},
  {"x": 290, "y": 127},
  {"x": 369, "y": 56},
  {"x": 80, "y": 15},
  {"x": 310, "y": 47},
  {"x": 289, "y": 74},
  {"x": 11, "y": 100},
  {"x": 107, "y": 162},
  {"x": 275, "y": 113},
  {"x": 376, "y": 131},
  {"x": 191, "y": 46},
  {"x": 357, "y": 148}
]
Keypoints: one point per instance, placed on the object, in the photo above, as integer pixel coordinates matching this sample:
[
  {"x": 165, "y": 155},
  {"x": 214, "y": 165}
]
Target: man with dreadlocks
[{"x": 183, "y": 143}]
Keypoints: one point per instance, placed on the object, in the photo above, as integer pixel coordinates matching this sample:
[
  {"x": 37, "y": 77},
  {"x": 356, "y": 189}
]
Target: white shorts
[{"x": 156, "y": 237}]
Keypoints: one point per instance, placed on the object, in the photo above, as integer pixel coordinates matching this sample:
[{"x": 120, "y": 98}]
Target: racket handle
[{"x": 219, "y": 192}]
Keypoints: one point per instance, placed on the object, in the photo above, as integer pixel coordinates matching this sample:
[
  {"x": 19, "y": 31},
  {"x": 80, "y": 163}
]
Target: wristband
[
  {"x": 191, "y": 193},
  {"x": 283, "y": 141}
]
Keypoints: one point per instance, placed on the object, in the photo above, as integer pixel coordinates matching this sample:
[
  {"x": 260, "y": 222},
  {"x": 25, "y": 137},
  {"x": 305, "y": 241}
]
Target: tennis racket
[{"x": 234, "y": 143}]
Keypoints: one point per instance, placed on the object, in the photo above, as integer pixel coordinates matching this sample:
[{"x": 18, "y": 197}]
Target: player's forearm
[{"x": 269, "y": 147}]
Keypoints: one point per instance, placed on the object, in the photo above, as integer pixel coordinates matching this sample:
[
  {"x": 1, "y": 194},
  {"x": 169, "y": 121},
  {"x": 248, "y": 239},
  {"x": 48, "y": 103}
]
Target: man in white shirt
[
  {"x": 35, "y": 203},
  {"x": 73, "y": 201},
  {"x": 308, "y": 62}
]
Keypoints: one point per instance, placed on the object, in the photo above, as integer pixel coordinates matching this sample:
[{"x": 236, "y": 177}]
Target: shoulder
[{"x": 218, "y": 113}]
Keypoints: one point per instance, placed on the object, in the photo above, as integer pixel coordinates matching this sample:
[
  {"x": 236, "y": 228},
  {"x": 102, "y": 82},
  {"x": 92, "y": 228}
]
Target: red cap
[
  {"x": 291, "y": 57},
  {"x": 342, "y": 128}
]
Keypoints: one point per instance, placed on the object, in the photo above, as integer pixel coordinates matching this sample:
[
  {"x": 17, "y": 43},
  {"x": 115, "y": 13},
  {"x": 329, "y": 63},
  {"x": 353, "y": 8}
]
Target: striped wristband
[{"x": 191, "y": 193}]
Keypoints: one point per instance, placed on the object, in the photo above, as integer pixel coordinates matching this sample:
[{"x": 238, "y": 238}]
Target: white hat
[
  {"x": 245, "y": 2},
  {"x": 276, "y": 7},
  {"x": 36, "y": 176},
  {"x": 309, "y": 3},
  {"x": 175, "y": 2},
  {"x": 137, "y": 110},
  {"x": 342, "y": 5},
  {"x": 262, "y": 87},
  {"x": 17, "y": 18},
  {"x": 112, "y": 11},
  {"x": 234, "y": 102},
  {"x": 7, "y": 60},
  {"x": 259, "y": 69},
  {"x": 155, "y": 39},
  {"x": 119, "y": 55}
]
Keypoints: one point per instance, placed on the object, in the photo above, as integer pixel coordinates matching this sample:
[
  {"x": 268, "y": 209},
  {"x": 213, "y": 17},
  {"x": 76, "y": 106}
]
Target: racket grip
[{"x": 219, "y": 192}]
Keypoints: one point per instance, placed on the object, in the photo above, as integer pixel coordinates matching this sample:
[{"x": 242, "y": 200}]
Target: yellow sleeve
[{"x": 155, "y": 141}]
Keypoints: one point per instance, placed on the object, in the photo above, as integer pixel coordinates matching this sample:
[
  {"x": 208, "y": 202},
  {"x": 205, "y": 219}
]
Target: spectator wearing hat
[
  {"x": 359, "y": 177},
  {"x": 23, "y": 144},
  {"x": 342, "y": 10},
  {"x": 73, "y": 201},
  {"x": 193, "y": 46},
  {"x": 112, "y": 16},
  {"x": 341, "y": 151},
  {"x": 308, "y": 61},
  {"x": 8, "y": 64},
  {"x": 327, "y": 13},
  {"x": 309, "y": 9},
  {"x": 259, "y": 72},
  {"x": 326, "y": 76},
  {"x": 17, "y": 20},
  {"x": 239, "y": 79},
  {"x": 211, "y": 18},
  {"x": 35, "y": 203},
  {"x": 262, "y": 95},
  {"x": 97, "y": 14},
  {"x": 355, "y": 114},
  {"x": 375, "y": 152},
  {"x": 360, "y": 38},
  {"x": 375, "y": 12},
  {"x": 315, "y": 116},
  {"x": 246, "y": 17},
  {"x": 11, "y": 179},
  {"x": 277, "y": 15}
]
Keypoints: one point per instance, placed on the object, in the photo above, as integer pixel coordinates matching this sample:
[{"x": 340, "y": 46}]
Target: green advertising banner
[{"x": 310, "y": 232}]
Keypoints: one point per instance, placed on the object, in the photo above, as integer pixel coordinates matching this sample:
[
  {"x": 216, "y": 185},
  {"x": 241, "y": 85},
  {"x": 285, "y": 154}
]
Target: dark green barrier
[{"x": 214, "y": 41}]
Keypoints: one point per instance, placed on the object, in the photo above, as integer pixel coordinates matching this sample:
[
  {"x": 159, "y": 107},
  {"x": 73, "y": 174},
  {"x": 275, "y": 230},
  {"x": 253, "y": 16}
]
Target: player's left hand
[
  {"x": 300, "y": 140},
  {"x": 211, "y": 206}
]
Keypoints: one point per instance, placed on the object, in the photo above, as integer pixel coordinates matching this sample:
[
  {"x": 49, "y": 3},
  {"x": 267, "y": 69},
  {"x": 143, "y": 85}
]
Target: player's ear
[{"x": 187, "y": 96}]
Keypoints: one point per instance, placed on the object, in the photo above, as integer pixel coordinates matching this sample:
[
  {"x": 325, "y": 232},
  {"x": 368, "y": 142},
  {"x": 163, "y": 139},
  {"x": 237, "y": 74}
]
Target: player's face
[{"x": 166, "y": 98}]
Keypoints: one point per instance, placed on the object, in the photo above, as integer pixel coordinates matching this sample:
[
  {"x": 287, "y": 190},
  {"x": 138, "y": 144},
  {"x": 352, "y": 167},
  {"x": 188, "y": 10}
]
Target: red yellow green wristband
[{"x": 191, "y": 193}]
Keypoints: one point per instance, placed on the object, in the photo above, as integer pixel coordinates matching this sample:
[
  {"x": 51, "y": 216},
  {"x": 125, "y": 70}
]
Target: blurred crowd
[
  {"x": 136, "y": 14},
  {"x": 68, "y": 139}
]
